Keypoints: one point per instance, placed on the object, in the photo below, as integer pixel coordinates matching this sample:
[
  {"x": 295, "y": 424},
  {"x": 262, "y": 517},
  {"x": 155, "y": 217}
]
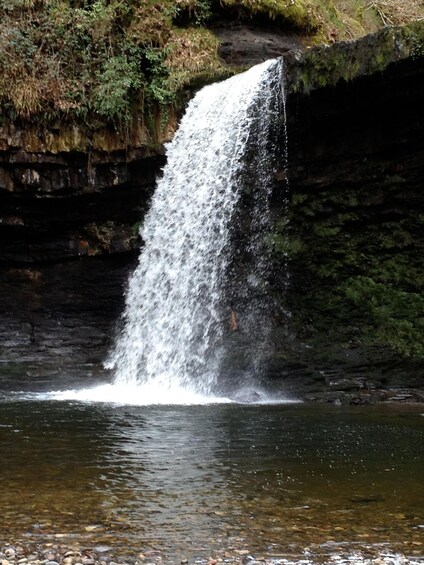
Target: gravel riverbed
[{"x": 58, "y": 554}]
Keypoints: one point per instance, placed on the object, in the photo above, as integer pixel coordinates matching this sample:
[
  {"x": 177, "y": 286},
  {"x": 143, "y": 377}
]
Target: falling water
[{"x": 178, "y": 310}]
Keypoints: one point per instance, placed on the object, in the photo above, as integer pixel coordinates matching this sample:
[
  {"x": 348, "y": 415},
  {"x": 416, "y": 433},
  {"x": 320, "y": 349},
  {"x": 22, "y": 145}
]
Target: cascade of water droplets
[
  {"x": 175, "y": 319},
  {"x": 250, "y": 294}
]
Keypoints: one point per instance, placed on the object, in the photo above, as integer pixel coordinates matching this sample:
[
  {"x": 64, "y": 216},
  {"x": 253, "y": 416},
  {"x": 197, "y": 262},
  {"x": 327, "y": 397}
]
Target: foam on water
[
  {"x": 150, "y": 394},
  {"x": 137, "y": 395}
]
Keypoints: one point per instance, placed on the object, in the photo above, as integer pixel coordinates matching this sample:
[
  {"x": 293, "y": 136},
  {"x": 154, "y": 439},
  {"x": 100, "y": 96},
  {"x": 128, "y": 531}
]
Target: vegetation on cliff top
[
  {"x": 78, "y": 59},
  {"x": 332, "y": 20},
  {"x": 81, "y": 58}
]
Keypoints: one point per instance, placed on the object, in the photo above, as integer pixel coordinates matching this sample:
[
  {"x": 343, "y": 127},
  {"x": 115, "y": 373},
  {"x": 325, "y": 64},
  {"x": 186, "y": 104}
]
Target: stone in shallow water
[{"x": 247, "y": 396}]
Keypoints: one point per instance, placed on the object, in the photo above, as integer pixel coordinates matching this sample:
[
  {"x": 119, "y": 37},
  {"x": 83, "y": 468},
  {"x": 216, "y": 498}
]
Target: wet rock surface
[
  {"x": 60, "y": 314},
  {"x": 241, "y": 44},
  {"x": 59, "y": 206}
]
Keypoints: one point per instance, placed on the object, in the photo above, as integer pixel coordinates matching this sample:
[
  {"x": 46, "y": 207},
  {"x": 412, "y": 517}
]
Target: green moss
[
  {"x": 322, "y": 66},
  {"x": 299, "y": 198},
  {"x": 284, "y": 245},
  {"x": 326, "y": 230},
  {"x": 356, "y": 272},
  {"x": 395, "y": 316},
  {"x": 414, "y": 36}
]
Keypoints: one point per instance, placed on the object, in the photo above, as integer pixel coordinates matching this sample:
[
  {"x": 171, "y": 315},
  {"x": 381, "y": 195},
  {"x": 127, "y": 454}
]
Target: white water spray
[{"x": 176, "y": 314}]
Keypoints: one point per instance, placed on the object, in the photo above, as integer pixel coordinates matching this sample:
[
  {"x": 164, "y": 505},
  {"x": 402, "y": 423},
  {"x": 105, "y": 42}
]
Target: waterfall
[{"x": 179, "y": 316}]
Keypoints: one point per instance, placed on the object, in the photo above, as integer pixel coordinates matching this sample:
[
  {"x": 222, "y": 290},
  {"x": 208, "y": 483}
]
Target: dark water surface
[{"x": 189, "y": 480}]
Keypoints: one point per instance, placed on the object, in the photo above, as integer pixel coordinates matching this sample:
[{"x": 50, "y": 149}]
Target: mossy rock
[{"x": 325, "y": 65}]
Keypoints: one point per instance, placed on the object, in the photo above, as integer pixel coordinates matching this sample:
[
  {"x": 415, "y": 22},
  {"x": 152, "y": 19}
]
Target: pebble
[{"x": 58, "y": 554}]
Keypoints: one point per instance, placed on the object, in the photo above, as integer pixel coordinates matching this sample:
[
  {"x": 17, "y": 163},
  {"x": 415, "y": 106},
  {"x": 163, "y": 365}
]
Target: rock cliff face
[
  {"x": 352, "y": 317},
  {"x": 67, "y": 193},
  {"x": 71, "y": 205},
  {"x": 355, "y": 231}
]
